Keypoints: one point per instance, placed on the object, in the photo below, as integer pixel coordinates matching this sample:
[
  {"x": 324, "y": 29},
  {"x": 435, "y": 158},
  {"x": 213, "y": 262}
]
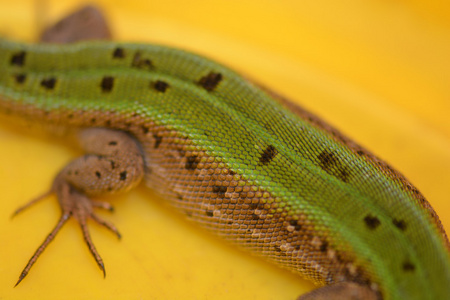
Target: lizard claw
[
  {"x": 34, "y": 201},
  {"x": 73, "y": 203},
  {"x": 42, "y": 247}
]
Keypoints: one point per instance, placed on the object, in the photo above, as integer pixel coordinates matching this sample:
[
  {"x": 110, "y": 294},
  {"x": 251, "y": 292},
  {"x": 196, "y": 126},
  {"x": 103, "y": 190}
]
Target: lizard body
[{"x": 240, "y": 161}]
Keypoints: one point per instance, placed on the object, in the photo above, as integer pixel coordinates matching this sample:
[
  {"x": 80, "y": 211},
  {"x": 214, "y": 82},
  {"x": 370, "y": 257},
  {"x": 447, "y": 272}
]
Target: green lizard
[{"x": 237, "y": 159}]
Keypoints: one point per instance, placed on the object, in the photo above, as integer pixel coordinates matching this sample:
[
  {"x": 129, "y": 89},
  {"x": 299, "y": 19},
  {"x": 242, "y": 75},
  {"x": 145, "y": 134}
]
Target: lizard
[{"x": 236, "y": 158}]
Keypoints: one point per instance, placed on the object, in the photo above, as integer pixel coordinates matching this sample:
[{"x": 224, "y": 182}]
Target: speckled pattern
[{"x": 241, "y": 162}]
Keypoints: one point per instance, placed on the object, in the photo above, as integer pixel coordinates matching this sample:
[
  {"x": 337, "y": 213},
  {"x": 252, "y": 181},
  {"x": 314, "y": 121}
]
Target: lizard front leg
[{"x": 114, "y": 163}]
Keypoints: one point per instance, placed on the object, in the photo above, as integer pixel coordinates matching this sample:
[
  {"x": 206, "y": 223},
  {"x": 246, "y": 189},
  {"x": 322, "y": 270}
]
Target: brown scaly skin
[{"x": 204, "y": 189}]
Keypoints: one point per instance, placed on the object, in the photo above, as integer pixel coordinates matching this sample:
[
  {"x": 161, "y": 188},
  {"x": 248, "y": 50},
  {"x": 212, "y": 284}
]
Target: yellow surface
[{"x": 377, "y": 70}]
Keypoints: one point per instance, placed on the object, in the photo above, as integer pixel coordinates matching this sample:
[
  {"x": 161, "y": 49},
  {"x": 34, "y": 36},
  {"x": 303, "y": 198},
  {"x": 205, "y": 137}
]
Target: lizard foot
[
  {"x": 73, "y": 204},
  {"x": 114, "y": 164}
]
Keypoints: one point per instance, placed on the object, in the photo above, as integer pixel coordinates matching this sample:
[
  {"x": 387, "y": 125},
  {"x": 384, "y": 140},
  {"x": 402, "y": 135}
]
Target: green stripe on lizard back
[{"x": 369, "y": 223}]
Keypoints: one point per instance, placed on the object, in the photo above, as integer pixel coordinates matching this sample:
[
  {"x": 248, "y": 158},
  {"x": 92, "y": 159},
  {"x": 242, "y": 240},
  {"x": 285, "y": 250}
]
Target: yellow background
[{"x": 378, "y": 70}]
